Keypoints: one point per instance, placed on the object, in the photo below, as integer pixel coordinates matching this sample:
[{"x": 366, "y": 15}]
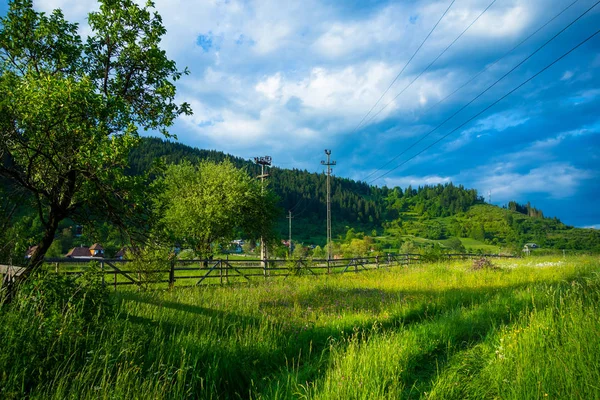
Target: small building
[
  {"x": 125, "y": 252},
  {"x": 531, "y": 245},
  {"x": 79, "y": 252},
  {"x": 121, "y": 253},
  {"x": 96, "y": 250}
]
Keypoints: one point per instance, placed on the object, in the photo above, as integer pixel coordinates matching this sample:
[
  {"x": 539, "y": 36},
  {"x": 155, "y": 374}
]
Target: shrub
[
  {"x": 151, "y": 264},
  {"x": 483, "y": 263}
]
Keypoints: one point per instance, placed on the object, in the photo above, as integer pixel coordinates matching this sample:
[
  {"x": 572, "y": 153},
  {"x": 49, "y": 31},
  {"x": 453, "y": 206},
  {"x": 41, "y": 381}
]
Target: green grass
[
  {"x": 526, "y": 330},
  {"x": 476, "y": 245}
]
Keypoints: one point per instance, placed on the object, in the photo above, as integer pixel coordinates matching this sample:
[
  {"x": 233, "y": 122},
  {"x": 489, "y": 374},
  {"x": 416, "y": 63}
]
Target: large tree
[
  {"x": 204, "y": 205},
  {"x": 70, "y": 109}
]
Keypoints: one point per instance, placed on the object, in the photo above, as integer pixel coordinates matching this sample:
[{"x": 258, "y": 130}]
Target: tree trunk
[{"x": 37, "y": 258}]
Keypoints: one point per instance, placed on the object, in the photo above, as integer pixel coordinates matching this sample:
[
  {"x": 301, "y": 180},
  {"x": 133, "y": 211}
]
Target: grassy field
[
  {"x": 476, "y": 245},
  {"x": 528, "y": 329},
  {"x": 469, "y": 243}
]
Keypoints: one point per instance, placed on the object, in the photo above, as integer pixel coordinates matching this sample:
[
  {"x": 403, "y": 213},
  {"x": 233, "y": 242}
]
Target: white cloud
[
  {"x": 567, "y": 75},
  {"x": 584, "y": 96},
  {"x": 293, "y": 75},
  {"x": 74, "y": 10},
  {"x": 344, "y": 38},
  {"x": 595, "y": 226},
  {"x": 494, "y": 123},
  {"x": 504, "y": 22},
  {"x": 558, "y": 180},
  {"x": 542, "y": 149},
  {"x": 416, "y": 181},
  {"x": 270, "y": 87}
]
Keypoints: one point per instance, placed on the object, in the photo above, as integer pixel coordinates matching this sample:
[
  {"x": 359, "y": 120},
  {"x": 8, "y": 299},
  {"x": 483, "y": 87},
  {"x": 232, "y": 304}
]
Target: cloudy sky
[{"x": 291, "y": 78}]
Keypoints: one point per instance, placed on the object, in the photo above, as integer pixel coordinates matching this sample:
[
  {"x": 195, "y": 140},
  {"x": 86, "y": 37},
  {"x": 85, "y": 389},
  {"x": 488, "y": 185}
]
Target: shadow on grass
[
  {"x": 185, "y": 308},
  {"x": 449, "y": 321}
]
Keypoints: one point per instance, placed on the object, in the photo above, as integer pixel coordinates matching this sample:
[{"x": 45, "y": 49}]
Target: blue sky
[{"x": 289, "y": 79}]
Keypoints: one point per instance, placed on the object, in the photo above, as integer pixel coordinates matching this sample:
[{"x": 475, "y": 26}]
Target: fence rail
[{"x": 116, "y": 272}]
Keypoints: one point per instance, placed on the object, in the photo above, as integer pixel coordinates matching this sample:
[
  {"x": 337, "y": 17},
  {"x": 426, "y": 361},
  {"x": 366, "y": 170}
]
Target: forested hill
[
  {"x": 435, "y": 212},
  {"x": 354, "y": 204}
]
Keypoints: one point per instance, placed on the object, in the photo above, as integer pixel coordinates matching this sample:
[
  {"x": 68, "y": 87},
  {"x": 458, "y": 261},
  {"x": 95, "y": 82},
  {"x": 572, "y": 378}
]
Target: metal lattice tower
[{"x": 329, "y": 163}]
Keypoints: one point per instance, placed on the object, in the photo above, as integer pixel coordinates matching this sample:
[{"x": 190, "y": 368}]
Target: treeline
[
  {"x": 431, "y": 201},
  {"x": 353, "y": 203},
  {"x": 434, "y": 212},
  {"x": 526, "y": 209}
]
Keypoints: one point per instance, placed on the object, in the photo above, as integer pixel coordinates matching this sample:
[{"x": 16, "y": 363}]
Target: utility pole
[
  {"x": 290, "y": 234},
  {"x": 263, "y": 162},
  {"x": 329, "y": 163}
]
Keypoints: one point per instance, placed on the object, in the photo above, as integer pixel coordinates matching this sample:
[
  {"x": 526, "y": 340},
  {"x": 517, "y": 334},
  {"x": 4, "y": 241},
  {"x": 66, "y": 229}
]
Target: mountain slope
[{"x": 433, "y": 212}]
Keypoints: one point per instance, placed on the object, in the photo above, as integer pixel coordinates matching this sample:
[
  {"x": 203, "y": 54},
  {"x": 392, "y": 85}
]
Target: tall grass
[{"x": 526, "y": 330}]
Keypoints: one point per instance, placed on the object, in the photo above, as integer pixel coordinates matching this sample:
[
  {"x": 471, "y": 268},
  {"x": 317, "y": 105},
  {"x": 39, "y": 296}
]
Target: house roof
[
  {"x": 96, "y": 246},
  {"x": 124, "y": 251},
  {"x": 121, "y": 253},
  {"x": 79, "y": 252}
]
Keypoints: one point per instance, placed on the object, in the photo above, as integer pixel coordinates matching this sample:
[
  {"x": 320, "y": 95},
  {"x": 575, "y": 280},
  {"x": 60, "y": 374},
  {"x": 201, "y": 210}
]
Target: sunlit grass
[{"x": 433, "y": 330}]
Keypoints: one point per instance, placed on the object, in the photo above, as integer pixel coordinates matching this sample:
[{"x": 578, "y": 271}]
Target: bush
[
  {"x": 483, "y": 263},
  {"x": 187, "y": 254},
  {"x": 456, "y": 245},
  {"x": 151, "y": 264}
]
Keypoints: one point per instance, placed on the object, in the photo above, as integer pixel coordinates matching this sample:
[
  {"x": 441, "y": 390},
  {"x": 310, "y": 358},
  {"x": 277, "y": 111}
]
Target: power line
[
  {"x": 500, "y": 58},
  {"x": 406, "y": 65},
  {"x": 493, "y": 104},
  {"x": 484, "y": 91},
  {"x": 431, "y": 63},
  {"x": 297, "y": 203},
  {"x": 427, "y": 134},
  {"x": 297, "y": 214}
]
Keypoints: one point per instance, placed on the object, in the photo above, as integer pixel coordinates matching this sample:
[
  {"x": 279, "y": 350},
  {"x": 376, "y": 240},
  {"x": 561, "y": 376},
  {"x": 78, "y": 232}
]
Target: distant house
[
  {"x": 235, "y": 246},
  {"x": 121, "y": 254},
  {"x": 79, "y": 252},
  {"x": 95, "y": 251}
]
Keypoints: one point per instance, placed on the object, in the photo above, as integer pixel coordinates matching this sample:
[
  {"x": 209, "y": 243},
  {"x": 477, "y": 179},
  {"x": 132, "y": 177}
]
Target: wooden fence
[{"x": 117, "y": 272}]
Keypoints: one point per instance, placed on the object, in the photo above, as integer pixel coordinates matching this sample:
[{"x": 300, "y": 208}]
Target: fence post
[
  {"x": 101, "y": 271},
  {"x": 377, "y": 261},
  {"x": 56, "y": 267},
  {"x": 221, "y": 271},
  {"x": 172, "y": 274},
  {"x": 355, "y": 265},
  {"x": 328, "y": 267},
  {"x": 115, "y": 272}
]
